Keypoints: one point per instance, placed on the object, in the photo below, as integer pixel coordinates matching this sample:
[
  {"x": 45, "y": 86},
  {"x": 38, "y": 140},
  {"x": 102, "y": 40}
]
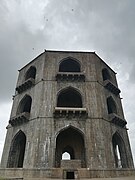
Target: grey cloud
[{"x": 18, "y": 45}]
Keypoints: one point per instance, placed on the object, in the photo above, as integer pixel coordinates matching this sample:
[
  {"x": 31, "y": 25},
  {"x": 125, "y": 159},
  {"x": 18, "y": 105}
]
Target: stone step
[
  {"x": 11, "y": 178},
  {"x": 119, "y": 178}
]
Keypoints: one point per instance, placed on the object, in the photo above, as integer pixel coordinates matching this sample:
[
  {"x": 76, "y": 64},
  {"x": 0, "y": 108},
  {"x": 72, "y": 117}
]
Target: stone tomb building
[{"x": 67, "y": 120}]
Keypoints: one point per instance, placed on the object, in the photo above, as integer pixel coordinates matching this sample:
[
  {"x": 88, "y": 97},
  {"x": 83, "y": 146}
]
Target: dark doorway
[{"x": 70, "y": 175}]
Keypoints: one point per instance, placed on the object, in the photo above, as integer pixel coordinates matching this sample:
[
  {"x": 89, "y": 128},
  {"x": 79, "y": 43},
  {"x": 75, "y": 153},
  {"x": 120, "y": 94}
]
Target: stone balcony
[
  {"x": 26, "y": 85},
  {"x": 20, "y": 119},
  {"x": 70, "y": 112},
  {"x": 111, "y": 87},
  {"x": 70, "y": 76},
  {"x": 117, "y": 120}
]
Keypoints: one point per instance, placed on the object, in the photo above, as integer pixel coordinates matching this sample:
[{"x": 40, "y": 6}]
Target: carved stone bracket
[
  {"x": 111, "y": 87},
  {"x": 117, "y": 120},
  {"x": 20, "y": 119},
  {"x": 27, "y": 84}
]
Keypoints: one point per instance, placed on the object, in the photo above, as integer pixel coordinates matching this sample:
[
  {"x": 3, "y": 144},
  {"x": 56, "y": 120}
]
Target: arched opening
[
  {"x": 69, "y": 98},
  {"x": 66, "y": 156},
  {"x": 69, "y": 65},
  {"x": 106, "y": 74},
  {"x": 31, "y": 73},
  {"x": 119, "y": 151},
  {"x": 68, "y": 152},
  {"x": 71, "y": 141},
  {"x": 25, "y": 105},
  {"x": 17, "y": 151},
  {"x": 111, "y": 105}
]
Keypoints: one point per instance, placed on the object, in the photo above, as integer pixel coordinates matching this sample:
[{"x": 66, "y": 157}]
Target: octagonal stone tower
[{"x": 67, "y": 120}]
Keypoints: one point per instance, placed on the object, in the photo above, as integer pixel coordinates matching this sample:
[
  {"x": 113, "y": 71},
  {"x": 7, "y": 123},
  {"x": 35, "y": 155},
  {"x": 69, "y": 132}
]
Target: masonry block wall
[{"x": 67, "y": 102}]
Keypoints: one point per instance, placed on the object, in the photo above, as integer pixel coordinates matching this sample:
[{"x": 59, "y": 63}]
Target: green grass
[{"x": 1, "y": 178}]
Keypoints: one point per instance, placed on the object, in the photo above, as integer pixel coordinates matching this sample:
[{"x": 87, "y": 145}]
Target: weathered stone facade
[{"x": 67, "y": 102}]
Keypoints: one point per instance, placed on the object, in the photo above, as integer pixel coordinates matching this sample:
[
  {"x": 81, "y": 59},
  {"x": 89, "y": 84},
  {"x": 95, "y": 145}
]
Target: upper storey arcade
[
  {"x": 67, "y": 66},
  {"x": 71, "y": 69}
]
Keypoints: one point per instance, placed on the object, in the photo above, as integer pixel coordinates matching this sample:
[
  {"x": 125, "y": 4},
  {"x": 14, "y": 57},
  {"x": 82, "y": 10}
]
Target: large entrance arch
[
  {"x": 17, "y": 150},
  {"x": 70, "y": 140},
  {"x": 119, "y": 151}
]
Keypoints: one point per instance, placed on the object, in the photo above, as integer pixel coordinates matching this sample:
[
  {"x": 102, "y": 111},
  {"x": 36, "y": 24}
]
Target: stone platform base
[{"x": 60, "y": 173}]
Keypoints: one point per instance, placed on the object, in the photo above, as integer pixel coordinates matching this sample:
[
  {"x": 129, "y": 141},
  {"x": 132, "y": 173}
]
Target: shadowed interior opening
[
  {"x": 25, "y": 105},
  {"x": 106, "y": 75},
  {"x": 69, "y": 98},
  {"x": 69, "y": 65},
  {"x": 31, "y": 73},
  {"x": 111, "y": 105}
]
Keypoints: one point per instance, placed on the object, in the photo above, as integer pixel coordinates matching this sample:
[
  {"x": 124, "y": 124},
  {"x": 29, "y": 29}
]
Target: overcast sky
[{"x": 27, "y": 27}]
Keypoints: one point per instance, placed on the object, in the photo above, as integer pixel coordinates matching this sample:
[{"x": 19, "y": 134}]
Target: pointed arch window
[
  {"x": 113, "y": 114},
  {"x": 69, "y": 104},
  {"x": 25, "y": 105},
  {"x": 70, "y": 70},
  {"x": 69, "y": 98},
  {"x": 69, "y": 65},
  {"x": 29, "y": 80},
  {"x": 17, "y": 151},
  {"x": 108, "y": 84},
  {"x": 23, "y": 112},
  {"x": 31, "y": 73},
  {"x": 106, "y": 74}
]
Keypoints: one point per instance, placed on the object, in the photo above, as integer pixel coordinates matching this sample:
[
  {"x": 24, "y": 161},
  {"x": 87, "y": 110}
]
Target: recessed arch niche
[
  {"x": 69, "y": 97},
  {"x": 17, "y": 151},
  {"x": 69, "y": 65},
  {"x": 70, "y": 140}
]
